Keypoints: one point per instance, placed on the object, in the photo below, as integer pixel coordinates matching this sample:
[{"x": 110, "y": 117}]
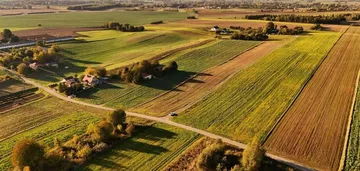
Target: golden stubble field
[{"x": 313, "y": 130}]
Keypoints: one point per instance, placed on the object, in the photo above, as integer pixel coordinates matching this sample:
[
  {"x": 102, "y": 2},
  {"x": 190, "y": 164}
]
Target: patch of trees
[
  {"x": 31, "y": 155},
  {"x": 322, "y": 19},
  {"x": 219, "y": 156},
  {"x": 29, "y": 55},
  {"x": 262, "y": 33},
  {"x": 157, "y": 22},
  {"x": 135, "y": 74},
  {"x": 8, "y": 36},
  {"x": 122, "y": 27},
  {"x": 317, "y": 27},
  {"x": 191, "y": 17}
]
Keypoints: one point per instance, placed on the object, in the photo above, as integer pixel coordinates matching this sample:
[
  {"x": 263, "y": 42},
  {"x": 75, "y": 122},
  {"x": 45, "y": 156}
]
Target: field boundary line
[
  {"x": 302, "y": 88},
  {"x": 348, "y": 128},
  {"x": 197, "y": 74}
]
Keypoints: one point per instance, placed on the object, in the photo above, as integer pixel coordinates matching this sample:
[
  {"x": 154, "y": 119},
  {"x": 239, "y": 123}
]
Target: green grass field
[
  {"x": 252, "y": 101},
  {"x": 87, "y": 19},
  {"x": 113, "y": 49},
  {"x": 353, "y": 149},
  {"x": 43, "y": 121},
  {"x": 190, "y": 62},
  {"x": 151, "y": 149}
]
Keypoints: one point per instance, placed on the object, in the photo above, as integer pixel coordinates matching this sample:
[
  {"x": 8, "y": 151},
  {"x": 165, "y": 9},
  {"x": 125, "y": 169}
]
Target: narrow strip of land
[
  {"x": 188, "y": 93},
  {"x": 157, "y": 119},
  {"x": 313, "y": 130}
]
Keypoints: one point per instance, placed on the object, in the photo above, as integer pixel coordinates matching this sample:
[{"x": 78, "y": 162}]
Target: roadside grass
[
  {"x": 43, "y": 121},
  {"x": 88, "y": 19},
  {"x": 190, "y": 62},
  {"x": 252, "y": 101},
  {"x": 352, "y": 161},
  {"x": 151, "y": 149}
]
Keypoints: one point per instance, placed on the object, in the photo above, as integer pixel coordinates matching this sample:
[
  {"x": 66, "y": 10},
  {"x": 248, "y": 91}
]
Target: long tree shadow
[
  {"x": 170, "y": 80},
  {"x": 136, "y": 143},
  {"x": 89, "y": 93}
]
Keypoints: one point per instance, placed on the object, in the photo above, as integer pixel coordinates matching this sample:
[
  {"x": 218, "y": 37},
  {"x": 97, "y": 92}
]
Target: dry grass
[{"x": 313, "y": 130}]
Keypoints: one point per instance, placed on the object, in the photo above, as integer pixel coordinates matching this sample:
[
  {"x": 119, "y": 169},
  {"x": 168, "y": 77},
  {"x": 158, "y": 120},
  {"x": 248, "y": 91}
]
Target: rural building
[
  {"x": 90, "y": 80},
  {"x": 35, "y": 65},
  {"x": 146, "y": 76},
  {"x": 68, "y": 81}
]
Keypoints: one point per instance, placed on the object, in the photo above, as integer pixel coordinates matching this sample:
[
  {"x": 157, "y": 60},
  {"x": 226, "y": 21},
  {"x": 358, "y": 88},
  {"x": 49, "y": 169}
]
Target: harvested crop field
[
  {"x": 178, "y": 100},
  {"x": 313, "y": 129},
  {"x": 250, "y": 103},
  {"x": 46, "y": 33}
]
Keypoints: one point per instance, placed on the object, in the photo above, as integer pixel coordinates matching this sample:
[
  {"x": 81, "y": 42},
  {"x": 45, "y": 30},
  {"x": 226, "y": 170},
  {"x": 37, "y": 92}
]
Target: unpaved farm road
[{"x": 158, "y": 119}]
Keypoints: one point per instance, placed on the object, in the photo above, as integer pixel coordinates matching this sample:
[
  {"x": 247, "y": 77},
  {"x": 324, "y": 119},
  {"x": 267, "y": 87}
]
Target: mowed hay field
[
  {"x": 353, "y": 148},
  {"x": 250, "y": 103},
  {"x": 88, "y": 19},
  {"x": 190, "y": 62},
  {"x": 178, "y": 100},
  {"x": 43, "y": 121},
  {"x": 313, "y": 129},
  {"x": 151, "y": 149}
]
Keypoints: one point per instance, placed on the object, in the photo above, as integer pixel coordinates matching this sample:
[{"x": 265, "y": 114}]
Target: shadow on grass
[
  {"x": 135, "y": 144},
  {"x": 89, "y": 94},
  {"x": 169, "y": 81}
]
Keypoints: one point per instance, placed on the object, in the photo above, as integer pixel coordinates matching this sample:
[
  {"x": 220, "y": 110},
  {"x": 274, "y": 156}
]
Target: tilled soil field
[{"x": 313, "y": 130}]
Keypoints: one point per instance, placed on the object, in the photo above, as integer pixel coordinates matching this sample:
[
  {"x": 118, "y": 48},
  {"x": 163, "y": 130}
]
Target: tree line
[
  {"x": 321, "y": 19},
  {"x": 262, "y": 33},
  {"x": 21, "y": 57},
  {"x": 31, "y": 155},
  {"x": 122, "y": 27}
]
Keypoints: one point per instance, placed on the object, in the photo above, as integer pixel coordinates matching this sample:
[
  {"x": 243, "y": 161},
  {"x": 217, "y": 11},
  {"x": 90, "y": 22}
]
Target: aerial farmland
[{"x": 179, "y": 85}]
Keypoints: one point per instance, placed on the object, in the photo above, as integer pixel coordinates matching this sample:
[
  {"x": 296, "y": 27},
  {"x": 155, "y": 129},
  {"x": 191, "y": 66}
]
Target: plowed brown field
[
  {"x": 313, "y": 130},
  {"x": 188, "y": 93}
]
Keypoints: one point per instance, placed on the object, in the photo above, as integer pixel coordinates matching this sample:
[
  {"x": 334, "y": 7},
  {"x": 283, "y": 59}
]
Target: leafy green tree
[
  {"x": 22, "y": 69},
  {"x": 253, "y": 156},
  {"x": 7, "y": 34},
  {"x": 210, "y": 157},
  {"x": 117, "y": 117},
  {"x": 100, "y": 132},
  {"x": 101, "y": 72},
  {"x": 28, "y": 153}
]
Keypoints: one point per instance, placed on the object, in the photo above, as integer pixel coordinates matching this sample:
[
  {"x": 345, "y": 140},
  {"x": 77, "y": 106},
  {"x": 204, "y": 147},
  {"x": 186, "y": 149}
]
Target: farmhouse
[
  {"x": 90, "y": 80},
  {"x": 146, "y": 76},
  {"x": 68, "y": 81}
]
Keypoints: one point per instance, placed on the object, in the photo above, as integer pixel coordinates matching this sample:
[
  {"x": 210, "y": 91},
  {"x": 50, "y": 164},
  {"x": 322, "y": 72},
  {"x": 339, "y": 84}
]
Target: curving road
[{"x": 157, "y": 119}]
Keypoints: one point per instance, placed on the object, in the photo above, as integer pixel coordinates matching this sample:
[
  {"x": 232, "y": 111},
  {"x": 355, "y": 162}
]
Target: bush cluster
[
  {"x": 157, "y": 22},
  {"x": 29, "y": 154},
  {"x": 134, "y": 73},
  {"x": 250, "y": 34},
  {"x": 8, "y": 36},
  {"x": 122, "y": 27},
  {"x": 29, "y": 55},
  {"x": 317, "y": 27}
]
